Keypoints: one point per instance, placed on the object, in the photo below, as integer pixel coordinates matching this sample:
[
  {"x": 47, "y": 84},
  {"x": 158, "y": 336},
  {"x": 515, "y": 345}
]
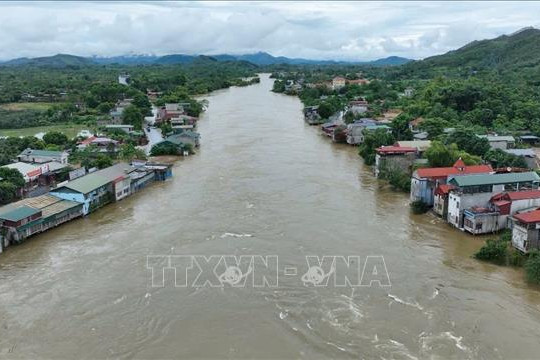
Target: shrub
[
  {"x": 494, "y": 250},
  {"x": 419, "y": 207},
  {"x": 532, "y": 267}
]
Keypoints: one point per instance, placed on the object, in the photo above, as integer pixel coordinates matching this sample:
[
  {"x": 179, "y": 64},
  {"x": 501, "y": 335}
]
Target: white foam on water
[
  {"x": 235, "y": 235},
  {"x": 401, "y": 301},
  {"x": 119, "y": 300}
]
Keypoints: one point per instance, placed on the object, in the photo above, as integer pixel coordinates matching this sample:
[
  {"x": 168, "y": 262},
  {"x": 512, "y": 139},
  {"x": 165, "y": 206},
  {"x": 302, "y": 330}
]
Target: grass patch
[
  {"x": 71, "y": 130},
  {"x": 20, "y": 106}
]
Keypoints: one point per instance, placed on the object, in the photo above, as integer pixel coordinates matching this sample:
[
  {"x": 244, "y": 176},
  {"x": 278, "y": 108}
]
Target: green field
[
  {"x": 70, "y": 130},
  {"x": 42, "y": 106}
]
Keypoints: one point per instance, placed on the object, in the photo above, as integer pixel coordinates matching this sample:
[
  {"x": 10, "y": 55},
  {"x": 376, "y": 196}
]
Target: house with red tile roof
[
  {"x": 424, "y": 181},
  {"x": 526, "y": 231}
]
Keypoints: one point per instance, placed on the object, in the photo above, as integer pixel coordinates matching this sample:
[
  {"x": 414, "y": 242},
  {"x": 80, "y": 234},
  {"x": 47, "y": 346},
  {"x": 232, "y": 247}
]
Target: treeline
[{"x": 88, "y": 93}]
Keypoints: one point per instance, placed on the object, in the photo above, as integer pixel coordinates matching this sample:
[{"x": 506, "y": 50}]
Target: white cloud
[{"x": 325, "y": 30}]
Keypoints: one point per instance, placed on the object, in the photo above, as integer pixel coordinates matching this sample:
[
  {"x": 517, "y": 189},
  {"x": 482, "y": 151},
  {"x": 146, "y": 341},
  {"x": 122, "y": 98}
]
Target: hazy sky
[{"x": 319, "y": 30}]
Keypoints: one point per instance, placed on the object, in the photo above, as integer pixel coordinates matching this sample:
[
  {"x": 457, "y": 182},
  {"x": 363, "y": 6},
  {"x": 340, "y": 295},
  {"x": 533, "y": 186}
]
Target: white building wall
[{"x": 458, "y": 202}]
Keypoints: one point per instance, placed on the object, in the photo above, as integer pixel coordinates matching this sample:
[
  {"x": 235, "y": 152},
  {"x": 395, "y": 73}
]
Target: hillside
[
  {"x": 60, "y": 60},
  {"x": 507, "y": 52}
]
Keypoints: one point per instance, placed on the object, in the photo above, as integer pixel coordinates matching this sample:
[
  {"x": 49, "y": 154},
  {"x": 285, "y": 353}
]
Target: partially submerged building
[
  {"x": 477, "y": 190},
  {"x": 424, "y": 181},
  {"x": 31, "y": 216},
  {"x": 526, "y": 231}
]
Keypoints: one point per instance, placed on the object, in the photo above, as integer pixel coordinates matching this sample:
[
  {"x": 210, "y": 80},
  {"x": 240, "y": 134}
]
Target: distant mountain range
[
  {"x": 260, "y": 58},
  {"x": 518, "y": 50}
]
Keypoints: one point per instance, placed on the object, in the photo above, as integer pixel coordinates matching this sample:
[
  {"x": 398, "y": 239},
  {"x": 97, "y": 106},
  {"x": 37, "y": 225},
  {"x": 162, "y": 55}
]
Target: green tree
[
  {"x": 372, "y": 141},
  {"x": 466, "y": 140},
  {"x": 498, "y": 158},
  {"x": 401, "y": 129},
  {"x": 55, "y": 138},
  {"x": 128, "y": 153},
  {"x": 132, "y": 115},
  {"x": 433, "y": 126},
  {"x": 12, "y": 176},
  {"x": 102, "y": 161},
  {"x": 439, "y": 155},
  {"x": 8, "y": 192},
  {"x": 164, "y": 148}
]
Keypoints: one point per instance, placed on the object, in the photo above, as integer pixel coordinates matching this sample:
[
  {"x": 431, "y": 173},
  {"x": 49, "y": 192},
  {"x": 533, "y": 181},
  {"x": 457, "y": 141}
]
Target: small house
[
  {"x": 440, "y": 200},
  {"x": 526, "y": 231},
  {"x": 499, "y": 142},
  {"x": 394, "y": 158},
  {"x": 43, "y": 156}
]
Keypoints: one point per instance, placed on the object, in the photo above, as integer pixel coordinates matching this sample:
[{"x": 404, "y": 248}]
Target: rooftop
[
  {"x": 528, "y": 217},
  {"x": 95, "y": 180},
  {"x": 28, "y": 152},
  {"x": 19, "y": 213},
  {"x": 395, "y": 150},
  {"x": 517, "y": 195},
  {"x": 494, "y": 179},
  {"x": 419, "y": 144},
  {"x": 459, "y": 168},
  {"x": 23, "y": 168},
  {"x": 521, "y": 152},
  {"x": 492, "y": 138}
]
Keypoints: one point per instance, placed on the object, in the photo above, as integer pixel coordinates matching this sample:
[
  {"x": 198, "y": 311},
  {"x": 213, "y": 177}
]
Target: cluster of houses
[
  {"x": 39, "y": 169},
  {"x": 481, "y": 200},
  {"x": 477, "y": 198},
  {"x": 76, "y": 198},
  {"x": 176, "y": 115}
]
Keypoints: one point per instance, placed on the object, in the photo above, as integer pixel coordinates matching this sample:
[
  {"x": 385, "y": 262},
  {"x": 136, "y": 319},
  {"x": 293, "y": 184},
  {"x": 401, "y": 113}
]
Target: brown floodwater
[{"x": 263, "y": 183}]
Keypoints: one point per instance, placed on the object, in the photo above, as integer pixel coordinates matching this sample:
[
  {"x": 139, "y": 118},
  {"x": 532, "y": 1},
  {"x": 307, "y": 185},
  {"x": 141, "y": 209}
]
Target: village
[
  {"x": 59, "y": 187},
  {"x": 477, "y": 198}
]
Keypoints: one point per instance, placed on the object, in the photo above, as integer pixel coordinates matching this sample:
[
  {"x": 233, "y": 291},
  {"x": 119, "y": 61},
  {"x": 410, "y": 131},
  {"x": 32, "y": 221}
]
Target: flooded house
[
  {"x": 96, "y": 189},
  {"x": 477, "y": 190},
  {"x": 355, "y": 130},
  {"x": 394, "y": 157},
  {"x": 526, "y": 231},
  {"x": 424, "y": 181},
  {"x": 440, "y": 200},
  {"x": 168, "y": 112},
  {"x": 358, "y": 107},
  {"x": 311, "y": 115},
  {"x": 27, "y": 217}
]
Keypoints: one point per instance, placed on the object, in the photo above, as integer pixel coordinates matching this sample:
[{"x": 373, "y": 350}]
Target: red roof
[
  {"x": 395, "y": 150},
  {"x": 503, "y": 205},
  {"x": 529, "y": 217},
  {"x": 88, "y": 140},
  {"x": 459, "y": 168},
  {"x": 517, "y": 195},
  {"x": 443, "y": 189}
]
